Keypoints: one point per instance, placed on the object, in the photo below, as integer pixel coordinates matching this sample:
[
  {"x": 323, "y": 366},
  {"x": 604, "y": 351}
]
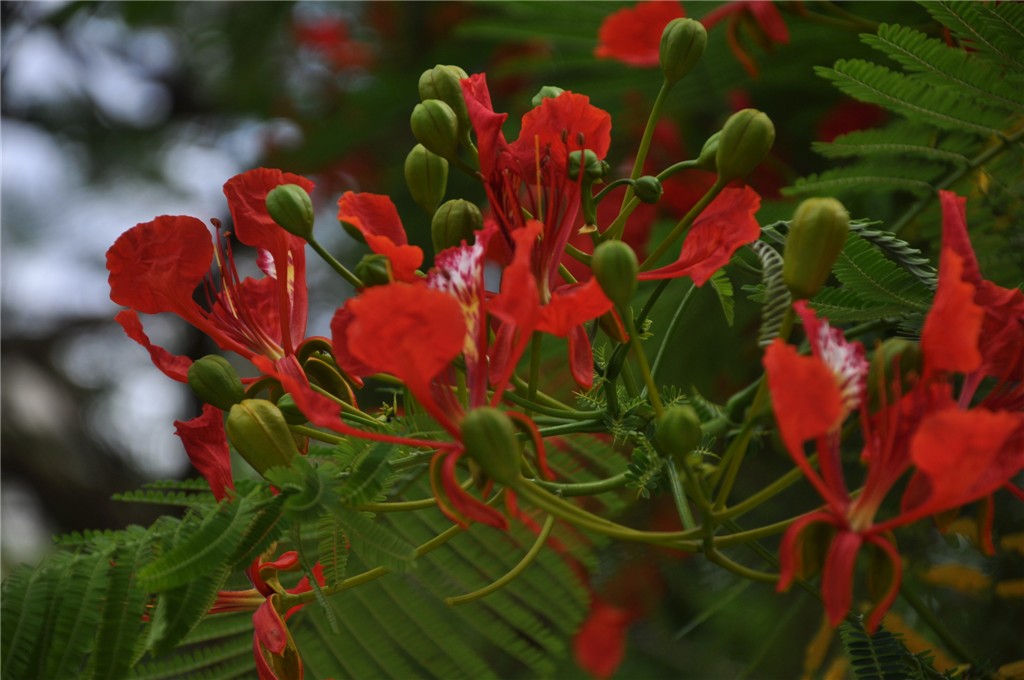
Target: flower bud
[
  {"x": 454, "y": 222},
  {"x": 426, "y": 175},
  {"x": 214, "y": 380},
  {"x": 290, "y": 411},
  {"x": 678, "y": 431},
  {"x": 258, "y": 431},
  {"x": 615, "y": 267},
  {"x": 894, "y": 366},
  {"x": 706, "y": 160},
  {"x": 435, "y": 126},
  {"x": 374, "y": 270},
  {"x": 490, "y": 438},
  {"x": 289, "y": 205},
  {"x": 648, "y": 189},
  {"x": 593, "y": 167},
  {"x": 682, "y": 45},
  {"x": 442, "y": 82},
  {"x": 746, "y": 138},
  {"x": 546, "y": 92},
  {"x": 816, "y": 236}
]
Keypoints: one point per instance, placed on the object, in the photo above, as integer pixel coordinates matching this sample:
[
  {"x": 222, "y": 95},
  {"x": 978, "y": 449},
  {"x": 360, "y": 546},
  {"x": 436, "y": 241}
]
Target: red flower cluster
[{"x": 957, "y": 453}]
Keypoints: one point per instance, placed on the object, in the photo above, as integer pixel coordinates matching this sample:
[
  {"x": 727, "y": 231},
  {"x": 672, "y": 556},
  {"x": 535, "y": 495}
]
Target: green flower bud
[
  {"x": 290, "y": 207},
  {"x": 373, "y": 270},
  {"x": 435, "y": 126},
  {"x": 648, "y": 189},
  {"x": 678, "y": 431},
  {"x": 546, "y": 92},
  {"x": 682, "y": 45},
  {"x": 290, "y": 411},
  {"x": 816, "y": 236},
  {"x": 746, "y": 138},
  {"x": 706, "y": 160},
  {"x": 258, "y": 431},
  {"x": 490, "y": 438},
  {"x": 214, "y": 380},
  {"x": 426, "y": 175},
  {"x": 615, "y": 267},
  {"x": 454, "y": 222},
  {"x": 593, "y": 167},
  {"x": 896, "y": 362},
  {"x": 442, "y": 82}
]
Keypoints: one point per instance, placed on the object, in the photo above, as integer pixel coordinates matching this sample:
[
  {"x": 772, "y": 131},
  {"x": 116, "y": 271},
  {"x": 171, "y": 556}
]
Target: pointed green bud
[
  {"x": 682, "y": 45},
  {"x": 442, "y": 82},
  {"x": 593, "y": 167},
  {"x": 435, "y": 126},
  {"x": 546, "y": 92},
  {"x": 454, "y": 222},
  {"x": 706, "y": 160},
  {"x": 746, "y": 138},
  {"x": 816, "y": 237},
  {"x": 426, "y": 175},
  {"x": 615, "y": 267},
  {"x": 490, "y": 438},
  {"x": 648, "y": 189},
  {"x": 258, "y": 431},
  {"x": 894, "y": 367},
  {"x": 678, "y": 431},
  {"x": 289, "y": 205},
  {"x": 373, "y": 270},
  {"x": 214, "y": 380}
]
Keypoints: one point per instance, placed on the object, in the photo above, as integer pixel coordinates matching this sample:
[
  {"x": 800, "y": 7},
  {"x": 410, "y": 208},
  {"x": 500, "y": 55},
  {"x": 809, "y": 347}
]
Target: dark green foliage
[
  {"x": 776, "y": 299},
  {"x": 883, "y": 656}
]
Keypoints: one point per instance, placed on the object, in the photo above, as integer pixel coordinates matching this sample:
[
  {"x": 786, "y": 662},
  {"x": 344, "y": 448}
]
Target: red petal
[
  {"x": 156, "y": 266},
  {"x": 581, "y": 358},
  {"x": 173, "y": 366},
  {"x": 411, "y": 332},
  {"x": 247, "y": 198},
  {"x": 837, "y": 575},
  {"x": 490, "y": 140},
  {"x": 600, "y": 643},
  {"x": 376, "y": 218},
  {"x": 561, "y": 125},
  {"x": 339, "y": 341},
  {"x": 879, "y": 610},
  {"x": 768, "y": 17},
  {"x": 207, "y": 447},
  {"x": 571, "y": 306},
  {"x": 949, "y": 339},
  {"x": 805, "y": 396},
  {"x": 633, "y": 35},
  {"x": 954, "y": 233},
  {"x": 269, "y": 628},
  {"x": 963, "y": 456},
  {"x": 721, "y": 229}
]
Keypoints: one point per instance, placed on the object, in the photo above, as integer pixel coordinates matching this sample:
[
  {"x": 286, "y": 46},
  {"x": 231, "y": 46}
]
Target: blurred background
[{"x": 114, "y": 113}]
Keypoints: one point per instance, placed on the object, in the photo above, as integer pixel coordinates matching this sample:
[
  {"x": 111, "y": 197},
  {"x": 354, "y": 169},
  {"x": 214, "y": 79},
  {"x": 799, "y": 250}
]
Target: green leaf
[
  {"x": 877, "y": 280},
  {"x": 722, "y": 286},
  {"x": 776, "y": 295},
  {"x": 370, "y": 475},
  {"x": 123, "y": 613},
  {"x": 179, "y": 609},
  {"x": 333, "y": 549},
  {"x": 373, "y": 542},
  {"x": 200, "y": 551}
]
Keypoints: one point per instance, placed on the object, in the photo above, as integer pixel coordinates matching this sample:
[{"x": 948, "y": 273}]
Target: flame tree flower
[
  {"x": 527, "y": 181},
  {"x": 158, "y": 267},
  {"x": 633, "y": 34},
  {"x": 957, "y": 454}
]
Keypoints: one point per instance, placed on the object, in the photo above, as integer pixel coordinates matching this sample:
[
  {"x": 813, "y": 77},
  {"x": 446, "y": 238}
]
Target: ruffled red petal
[
  {"x": 837, "y": 575},
  {"x": 721, "y": 229},
  {"x": 600, "y": 644},
  {"x": 156, "y": 266},
  {"x": 247, "y": 198},
  {"x": 207, "y": 447},
  {"x": 376, "y": 218},
  {"x": 949, "y": 339},
  {"x": 174, "y": 366},
  {"x": 633, "y": 35},
  {"x": 559, "y": 126}
]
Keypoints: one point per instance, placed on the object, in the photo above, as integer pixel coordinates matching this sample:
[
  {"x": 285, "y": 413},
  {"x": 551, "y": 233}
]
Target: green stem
[
  {"x": 571, "y": 428},
  {"x": 535, "y": 344},
  {"x": 527, "y": 560},
  {"x": 316, "y": 434},
  {"x": 335, "y": 265},
  {"x": 778, "y": 486},
  {"x": 683, "y": 225},
  {"x": 679, "y": 495},
  {"x": 584, "y": 488},
  {"x": 641, "y": 360},
  {"x": 645, "y": 141},
  {"x": 565, "y": 414},
  {"x": 670, "y": 331}
]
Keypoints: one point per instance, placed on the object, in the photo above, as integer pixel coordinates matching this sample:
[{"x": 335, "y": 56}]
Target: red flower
[
  {"x": 600, "y": 643},
  {"x": 633, "y": 35},
  {"x": 274, "y": 650},
  {"x": 157, "y": 267},
  {"x": 725, "y": 225},
  {"x": 531, "y": 175},
  {"x": 763, "y": 16},
  {"x": 959, "y": 455}
]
